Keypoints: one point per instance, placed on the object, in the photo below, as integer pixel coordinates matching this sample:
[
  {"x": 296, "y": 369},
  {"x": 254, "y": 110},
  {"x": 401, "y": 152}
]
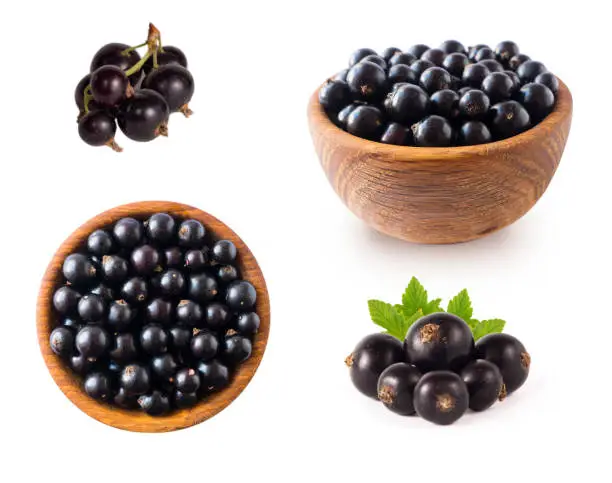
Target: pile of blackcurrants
[
  {"x": 439, "y": 372},
  {"x": 154, "y": 314},
  {"x": 440, "y": 97},
  {"x": 139, "y": 93}
]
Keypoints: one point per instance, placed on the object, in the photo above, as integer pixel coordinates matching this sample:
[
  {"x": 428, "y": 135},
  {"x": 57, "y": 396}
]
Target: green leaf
[
  {"x": 486, "y": 327},
  {"x": 473, "y": 323},
  {"x": 408, "y": 321},
  {"x": 461, "y": 305},
  {"x": 414, "y": 298},
  {"x": 387, "y": 317},
  {"x": 432, "y": 307}
]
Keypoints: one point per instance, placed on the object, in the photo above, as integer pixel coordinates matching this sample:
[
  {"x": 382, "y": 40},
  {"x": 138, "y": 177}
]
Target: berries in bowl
[
  {"x": 153, "y": 316},
  {"x": 441, "y": 145}
]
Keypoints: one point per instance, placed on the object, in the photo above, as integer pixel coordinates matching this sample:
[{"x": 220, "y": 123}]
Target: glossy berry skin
[
  {"x": 120, "y": 315},
  {"x": 128, "y": 232},
  {"x": 214, "y": 375},
  {"x": 455, "y": 63},
  {"x": 91, "y": 308},
  {"x": 160, "y": 228},
  {"x": 174, "y": 82},
  {"x": 241, "y": 296},
  {"x": 217, "y": 316},
  {"x": 202, "y": 288},
  {"x": 248, "y": 324},
  {"x": 167, "y": 55},
  {"x": 506, "y": 50},
  {"x": 509, "y": 355},
  {"x": 135, "y": 379},
  {"x": 81, "y": 364},
  {"x": 124, "y": 401},
  {"x": 342, "y": 117},
  {"x": 154, "y": 404},
  {"x": 402, "y": 73},
  {"x": 402, "y": 58},
  {"x": 187, "y": 380},
  {"x": 517, "y": 60},
  {"x": 191, "y": 234},
  {"x": 100, "y": 243},
  {"x": 104, "y": 291},
  {"x": 484, "y": 383},
  {"x": 112, "y": 54},
  {"x": 334, "y": 95},
  {"x": 484, "y": 53},
  {"x": 204, "y": 345},
  {"x": 341, "y": 76},
  {"x": 452, "y": 46},
  {"x": 472, "y": 51},
  {"x": 164, "y": 367},
  {"x": 396, "y": 134},
  {"x": 173, "y": 257},
  {"x": 179, "y": 339},
  {"x": 114, "y": 269},
  {"x": 145, "y": 260},
  {"x": 407, "y": 104},
  {"x": 549, "y": 80},
  {"x": 439, "y": 341},
  {"x": 108, "y": 85},
  {"x": 508, "y": 119},
  {"x": 435, "y": 79},
  {"x": 360, "y": 54},
  {"x": 474, "y": 132},
  {"x": 123, "y": 350},
  {"x": 172, "y": 283},
  {"x": 390, "y": 52},
  {"x": 365, "y": 122},
  {"x": 435, "y": 56},
  {"x": 529, "y": 70},
  {"x": 79, "y": 270},
  {"x": 367, "y": 81},
  {"x": 474, "y": 104},
  {"x": 492, "y": 65},
  {"x": 516, "y": 82},
  {"x": 144, "y": 116},
  {"x": 396, "y": 387},
  {"x": 375, "y": 59},
  {"x": 445, "y": 103},
  {"x": 154, "y": 339},
  {"x": 441, "y": 397},
  {"x": 538, "y": 99},
  {"x": 498, "y": 86},
  {"x": 92, "y": 341},
  {"x": 189, "y": 313},
  {"x": 135, "y": 290},
  {"x": 62, "y": 341},
  {"x": 370, "y": 358},
  {"x": 474, "y": 74},
  {"x": 433, "y": 132},
  {"x": 74, "y": 324},
  {"x": 195, "y": 260},
  {"x": 227, "y": 274},
  {"x": 420, "y": 66},
  {"x": 183, "y": 400},
  {"x": 97, "y": 385},
  {"x": 236, "y": 349},
  {"x": 65, "y": 300},
  {"x": 418, "y": 50},
  {"x": 224, "y": 251}
]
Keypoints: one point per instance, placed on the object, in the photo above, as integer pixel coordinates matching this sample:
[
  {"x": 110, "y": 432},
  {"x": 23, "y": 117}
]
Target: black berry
[
  {"x": 396, "y": 387},
  {"x": 441, "y": 397},
  {"x": 484, "y": 383}
]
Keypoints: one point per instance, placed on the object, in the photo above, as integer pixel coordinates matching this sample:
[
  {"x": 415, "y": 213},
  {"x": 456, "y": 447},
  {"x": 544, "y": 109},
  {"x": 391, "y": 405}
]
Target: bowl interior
[{"x": 71, "y": 384}]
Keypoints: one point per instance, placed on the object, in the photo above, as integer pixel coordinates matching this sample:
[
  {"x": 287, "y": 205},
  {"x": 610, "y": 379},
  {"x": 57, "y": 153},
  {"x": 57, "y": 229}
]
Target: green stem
[
  {"x": 155, "y": 64},
  {"x": 131, "y": 49},
  {"x": 87, "y": 96},
  {"x": 138, "y": 65}
]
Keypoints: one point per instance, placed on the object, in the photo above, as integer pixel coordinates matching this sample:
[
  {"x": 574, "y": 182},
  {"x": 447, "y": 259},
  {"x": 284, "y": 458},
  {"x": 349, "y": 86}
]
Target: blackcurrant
[
  {"x": 359, "y": 54},
  {"x": 81, "y": 364},
  {"x": 402, "y": 73},
  {"x": 115, "y": 54},
  {"x": 100, "y": 243},
  {"x": 376, "y": 59},
  {"x": 402, "y": 58},
  {"x": 195, "y": 260},
  {"x": 341, "y": 76},
  {"x": 62, "y": 341},
  {"x": 164, "y": 367},
  {"x": 396, "y": 134},
  {"x": 214, "y": 375},
  {"x": 187, "y": 380},
  {"x": 91, "y": 308},
  {"x": 175, "y": 83},
  {"x": 79, "y": 270},
  {"x": 335, "y": 95},
  {"x": 179, "y": 339},
  {"x": 474, "y": 74},
  {"x": 435, "y": 56},
  {"x": 128, "y": 232},
  {"x": 506, "y": 50},
  {"x": 396, "y": 387},
  {"x": 191, "y": 234},
  {"x": 474, "y": 132},
  {"x": 204, "y": 345},
  {"x": 484, "y": 53},
  {"x": 509, "y": 355},
  {"x": 154, "y": 404},
  {"x": 492, "y": 65},
  {"x": 216, "y": 316},
  {"x": 236, "y": 349},
  {"x": 435, "y": 79},
  {"x": 407, "y": 104},
  {"x": 144, "y": 116},
  {"x": 154, "y": 339},
  {"x": 172, "y": 283},
  {"x": 498, "y": 86},
  {"x": 120, "y": 315},
  {"x": 202, "y": 287},
  {"x": 455, "y": 63},
  {"x": 173, "y": 257},
  {"x": 516, "y": 82},
  {"x": 227, "y": 274},
  {"x": 114, "y": 268},
  {"x": 168, "y": 54},
  {"x": 420, "y": 66},
  {"x": 529, "y": 70},
  {"x": 160, "y": 228},
  {"x": 92, "y": 341},
  {"x": 342, "y": 117},
  {"x": 97, "y": 385},
  {"x": 135, "y": 379},
  {"x": 441, "y": 397},
  {"x": 418, "y": 50},
  {"x": 104, "y": 291},
  {"x": 224, "y": 251},
  {"x": 189, "y": 313},
  {"x": 124, "y": 401},
  {"x": 145, "y": 260},
  {"x": 97, "y": 128},
  {"x": 549, "y": 80},
  {"x": 474, "y": 104},
  {"x": 472, "y": 51},
  {"x": 517, "y": 60},
  {"x": 365, "y": 122},
  {"x": 452, "y": 46},
  {"x": 538, "y": 99},
  {"x": 248, "y": 324},
  {"x": 370, "y": 358},
  {"x": 65, "y": 300},
  {"x": 433, "y": 131},
  {"x": 241, "y": 296},
  {"x": 108, "y": 85},
  {"x": 445, "y": 103},
  {"x": 367, "y": 81},
  {"x": 135, "y": 290},
  {"x": 390, "y": 52},
  {"x": 183, "y": 400},
  {"x": 439, "y": 341},
  {"x": 123, "y": 349},
  {"x": 508, "y": 119},
  {"x": 484, "y": 383}
]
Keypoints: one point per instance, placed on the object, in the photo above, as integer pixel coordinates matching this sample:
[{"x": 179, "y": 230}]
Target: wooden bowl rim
[
  {"x": 70, "y": 383},
  {"x": 563, "y": 109}
]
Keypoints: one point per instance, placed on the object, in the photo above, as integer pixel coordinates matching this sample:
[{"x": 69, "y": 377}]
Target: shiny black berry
[
  {"x": 445, "y": 103},
  {"x": 484, "y": 383},
  {"x": 549, "y": 80},
  {"x": 485, "y": 53},
  {"x": 441, "y": 397},
  {"x": 451, "y": 46},
  {"x": 144, "y": 116},
  {"x": 217, "y": 316},
  {"x": 224, "y": 252},
  {"x": 396, "y": 387},
  {"x": 236, "y": 349},
  {"x": 359, "y": 54},
  {"x": 164, "y": 367},
  {"x": 342, "y": 117},
  {"x": 365, "y": 122},
  {"x": 204, "y": 345},
  {"x": 65, "y": 300},
  {"x": 433, "y": 132},
  {"x": 370, "y": 358},
  {"x": 473, "y": 50},
  {"x": 498, "y": 86},
  {"x": 173, "y": 257},
  {"x": 114, "y": 269},
  {"x": 375, "y": 59},
  {"x": 248, "y": 324},
  {"x": 187, "y": 380},
  {"x": 509, "y": 355},
  {"x": 506, "y": 50},
  {"x": 123, "y": 350},
  {"x": 176, "y": 85},
  {"x": 92, "y": 341},
  {"x": 145, "y": 260},
  {"x": 135, "y": 379},
  {"x": 474, "y": 132},
  {"x": 116, "y": 54},
  {"x": 97, "y": 385},
  {"x": 367, "y": 81},
  {"x": 418, "y": 50},
  {"x": 435, "y": 56},
  {"x": 62, "y": 341},
  {"x": 155, "y": 403},
  {"x": 508, "y": 119},
  {"x": 538, "y": 99},
  {"x": 402, "y": 58},
  {"x": 160, "y": 228},
  {"x": 529, "y": 70},
  {"x": 91, "y": 308},
  {"x": 179, "y": 339},
  {"x": 79, "y": 270},
  {"x": 407, "y": 104},
  {"x": 100, "y": 243},
  {"x": 189, "y": 313},
  {"x": 517, "y": 60},
  {"x": 183, "y": 400},
  {"x": 455, "y": 64},
  {"x": 128, "y": 232},
  {"x": 474, "y": 74},
  {"x": 335, "y": 95},
  {"x": 396, "y": 134},
  {"x": 435, "y": 79},
  {"x": 420, "y": 66},
  {"x": 191, "y": 234},
  {"x": 214, "y": 376},
  {"x": 492, "y": 65},
  {"x": 241, "y": 296},
  {"x": 402, "y": 73},
  {"x": 108, "y": 85},
  {"x": 474, "y": 104},
  {"x": 120, "y": 315},
  {"x": 227, "y": 274},
  {"x": 154, "y": 339},
  {"x": 390, "y": 52},
  {"x": 135, "y": 290},
  {"x": 159, "y": 311},
  {"x": 202, "y": 287}
]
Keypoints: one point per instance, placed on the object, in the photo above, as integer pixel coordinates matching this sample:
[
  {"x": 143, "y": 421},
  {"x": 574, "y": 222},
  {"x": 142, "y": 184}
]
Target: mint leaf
[
  {"x": 486, "y": 327},
  {"x": 461, "y": 305},
  {"x": 414, "y": 298},
  {"x": 387, "y": 317}
]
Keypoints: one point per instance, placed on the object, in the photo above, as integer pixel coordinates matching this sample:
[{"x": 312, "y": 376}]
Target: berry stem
[
  {"x": 185, "y": 110},
  {"x": 87, "y": 96},
  {"x": 137, "y": 66},
  {"x": 155, "y": 64},
  {"x": 131, "y": 49},
  {"x": 114, "y": 146}
]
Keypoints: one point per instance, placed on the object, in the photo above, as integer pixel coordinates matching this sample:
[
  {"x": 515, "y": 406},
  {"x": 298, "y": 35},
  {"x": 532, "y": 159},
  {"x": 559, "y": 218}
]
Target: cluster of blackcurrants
[
  {"x": 440, "y": 97},
  {"x": 138, "y": 93},
  {"x": 439, "y": 372},
  {"x": 154, "y": 315}
]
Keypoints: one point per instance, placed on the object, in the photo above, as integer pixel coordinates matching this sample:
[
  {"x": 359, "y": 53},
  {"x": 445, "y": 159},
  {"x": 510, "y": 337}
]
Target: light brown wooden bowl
[
  {"x": 71, "y": 384},
  {"x": 441, "y": 195}
]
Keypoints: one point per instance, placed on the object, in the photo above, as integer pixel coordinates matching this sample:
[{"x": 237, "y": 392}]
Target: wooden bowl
[
  {"x": 441, "y": 195},
  {"x": 71, "y": 384}
]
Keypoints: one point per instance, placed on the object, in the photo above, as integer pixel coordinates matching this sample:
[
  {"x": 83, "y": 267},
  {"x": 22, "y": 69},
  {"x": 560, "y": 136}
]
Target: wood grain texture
[
  {"x": 441, "y": 195},
  {"x": 70, "y": 383}
]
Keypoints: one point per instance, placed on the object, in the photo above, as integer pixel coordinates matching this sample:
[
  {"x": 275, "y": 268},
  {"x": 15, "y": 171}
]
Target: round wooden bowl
[
  {"x": 71, "y": 384},
  {"x": 441, "y": 195}
]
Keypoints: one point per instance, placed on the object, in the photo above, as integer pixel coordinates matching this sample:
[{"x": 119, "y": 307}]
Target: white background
[{"x": 246, "y": 157}]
